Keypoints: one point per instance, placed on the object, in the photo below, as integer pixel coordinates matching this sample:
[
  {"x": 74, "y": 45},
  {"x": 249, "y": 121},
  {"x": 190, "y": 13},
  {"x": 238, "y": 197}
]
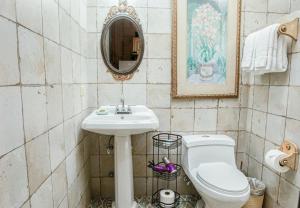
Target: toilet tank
[{"x": 197, "y": 149}]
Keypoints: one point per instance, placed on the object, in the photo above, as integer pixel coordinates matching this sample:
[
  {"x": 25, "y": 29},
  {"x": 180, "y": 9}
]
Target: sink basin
[
  {"x": 141, "y": 120},
  {"x": 122, "y": 126}
]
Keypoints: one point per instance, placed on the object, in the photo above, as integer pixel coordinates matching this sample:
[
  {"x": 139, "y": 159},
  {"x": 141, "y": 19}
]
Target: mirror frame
[{"x": 123, "y": 11}]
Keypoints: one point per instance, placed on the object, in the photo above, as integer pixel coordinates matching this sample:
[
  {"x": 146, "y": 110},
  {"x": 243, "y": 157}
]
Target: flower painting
[
  {"x": 205, "y": 48},
  {"x": 207, "y": 41}
]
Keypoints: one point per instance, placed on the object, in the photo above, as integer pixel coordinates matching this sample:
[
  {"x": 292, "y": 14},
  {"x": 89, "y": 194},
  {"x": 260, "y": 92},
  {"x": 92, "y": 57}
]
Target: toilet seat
[{"x": 222, "y": 178}]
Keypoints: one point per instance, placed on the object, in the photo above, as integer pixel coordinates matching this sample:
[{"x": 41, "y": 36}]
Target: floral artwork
[{"x": 207, "y": 35}]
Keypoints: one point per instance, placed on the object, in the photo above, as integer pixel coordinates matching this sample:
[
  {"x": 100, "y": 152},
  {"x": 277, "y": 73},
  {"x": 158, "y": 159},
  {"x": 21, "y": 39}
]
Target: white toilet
[{"x": 209, "y": 162}]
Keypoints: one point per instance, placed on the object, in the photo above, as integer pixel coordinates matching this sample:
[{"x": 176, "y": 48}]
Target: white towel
[
  {"x": 265, "y": 51},
  {"x": 248, "y": 53}
]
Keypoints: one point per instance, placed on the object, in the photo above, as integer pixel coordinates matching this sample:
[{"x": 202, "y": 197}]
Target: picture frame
[{"x": 206, "y": 48}]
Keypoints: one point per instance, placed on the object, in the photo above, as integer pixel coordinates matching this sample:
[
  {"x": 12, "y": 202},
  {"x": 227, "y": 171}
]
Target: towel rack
[{"x": 290, "y": 29}]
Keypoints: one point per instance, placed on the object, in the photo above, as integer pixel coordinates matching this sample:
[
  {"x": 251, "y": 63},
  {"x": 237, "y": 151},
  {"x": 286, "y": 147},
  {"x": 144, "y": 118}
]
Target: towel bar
[{"x": 290, "y": 29}]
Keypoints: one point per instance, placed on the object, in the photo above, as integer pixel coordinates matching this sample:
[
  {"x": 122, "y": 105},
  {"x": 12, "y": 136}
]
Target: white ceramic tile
[
  {"x": 92, "y": 47},
  {"x": 31, "y": 57},
  {"x": 257, "y": 148},
  {"x": 11, "y": 131},
  {"x": 164, "y": 116},
  {"x": 76, "y": 68},
  {"x": 105, "y": 3},
  {"x": 75, "y": 36},
  {"x": 228, "y": 119},
  {"x": 57, "y": 146},
  {"x": 293, "y": 103},
  {"x": 182, "y": 119},
  {"x": 59, "y": 181},
  {"x": 64, "y": 203},
  {"x": 68, "y": 101},
  {"x": 43, "y": 196},
  {"x": 65, "y": 28},
  {"x": 76, "y": 99},
  {"x": 295, "y": 74},
  {"x": 66, "y": 65},
  {"x": 260, "y": 98},
  {"x": 275, "y": 128},
  {"x": 69, "y": 135},
  {"x": 158, "y": 96},
  {"x": 206, "y": 119},
  {"x": 279, "y": 6},
  {"x": 110, "y": 94},
  {"x": 50, "y": 19},
  {"x": 34, "y": 109},
  {"x": 255, "y": 5},
  {"x": 159, "y": 71},
  {"x": 13, "y": 179},
  {"x": 295, "y": 5},
  {"x": 254, "y": 169},
  {"x": 104, "y": 75},
  {"x": 66, "y": 4},
  {"x": 8, "y": 9},
  {"x": 254, "y": 21},
  {"x": 243, "y": 142},
  {"x": 159, "y": 21},
  {"x": 278, "y": 100},
  {"x": 271, "y": 180},
  {"x": 135, "y": 94},
  {"x": 83, "y": 14},
  {"x": 92, "y": 69},
  {"x": 101, "y": 15},
  {"x": 292, "y": 130},
  {"x": 138, "y": 3},
  {"x": 288, "y": 195},
  {"x": 159, "y": 46},
  {"x": 52, "y": 62},
  {"x": 38, "y": 161},
  {"x": 206, "y": 103},
  {"x": 229, "y": 103},
  {"x": 160, "y": 3},
  {"x": 92, "y": 19},
  {"x": 29, "y": 14},
  {"x": 54, "y": 105},
  {"x": 9, "y": 74},
  {"x": 259, "y": 121},
  {"x": 75, "y": 10},
  {"x": 90, "y": 99}
]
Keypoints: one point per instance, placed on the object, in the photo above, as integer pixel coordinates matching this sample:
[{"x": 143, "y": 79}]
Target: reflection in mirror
[{"x": 124, "y": 45}]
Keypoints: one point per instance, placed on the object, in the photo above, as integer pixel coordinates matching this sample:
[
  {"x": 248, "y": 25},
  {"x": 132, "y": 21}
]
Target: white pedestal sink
[{"x": 122, "y": 126}]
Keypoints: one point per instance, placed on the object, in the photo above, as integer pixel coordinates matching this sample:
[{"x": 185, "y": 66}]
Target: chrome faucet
[{"x": 124, "y": 109}]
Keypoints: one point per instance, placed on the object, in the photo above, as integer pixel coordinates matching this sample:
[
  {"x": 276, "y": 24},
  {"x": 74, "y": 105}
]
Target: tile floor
[{"x": 145, "y": 202}]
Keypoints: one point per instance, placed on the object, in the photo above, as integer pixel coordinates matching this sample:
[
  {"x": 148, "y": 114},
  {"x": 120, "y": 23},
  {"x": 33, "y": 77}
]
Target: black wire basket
[
  {"x": 157, "y": 203},
  {"x": 167, "y": 141},
  {"x": 166, "y": 175}
]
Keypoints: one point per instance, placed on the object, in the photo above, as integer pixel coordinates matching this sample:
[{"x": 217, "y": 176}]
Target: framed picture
[{"x": 205, "y": 48}]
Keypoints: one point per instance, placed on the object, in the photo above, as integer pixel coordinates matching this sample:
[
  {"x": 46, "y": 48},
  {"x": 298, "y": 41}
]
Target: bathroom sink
[
  {"x": 138, "y": 120},
  {"x": 141, "y": 120}
]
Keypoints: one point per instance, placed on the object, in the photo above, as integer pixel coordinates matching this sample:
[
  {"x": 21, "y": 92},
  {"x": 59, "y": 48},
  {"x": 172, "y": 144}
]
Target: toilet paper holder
[{"x": 291, "y": 150}]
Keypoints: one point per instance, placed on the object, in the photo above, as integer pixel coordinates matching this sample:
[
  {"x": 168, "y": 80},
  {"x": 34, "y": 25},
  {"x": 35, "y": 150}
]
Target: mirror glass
[{"x": 122, "y": 45}]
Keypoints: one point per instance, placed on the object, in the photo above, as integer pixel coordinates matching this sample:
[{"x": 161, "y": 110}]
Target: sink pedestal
[{"x": 124, "y": 194}]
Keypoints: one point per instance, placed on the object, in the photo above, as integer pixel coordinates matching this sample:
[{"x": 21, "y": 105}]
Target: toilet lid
[{"x": 222, "y": 177}]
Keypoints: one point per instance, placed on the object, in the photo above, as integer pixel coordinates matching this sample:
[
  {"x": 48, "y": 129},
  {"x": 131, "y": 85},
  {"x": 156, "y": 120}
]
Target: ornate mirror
[{"x": 122, "y": 41}]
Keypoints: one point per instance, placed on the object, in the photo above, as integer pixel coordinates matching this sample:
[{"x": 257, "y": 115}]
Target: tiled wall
[
  {"x": 151, "y": 86},
  {"x": 43, "y": 98},
  {"x": 273, "y": 110}
]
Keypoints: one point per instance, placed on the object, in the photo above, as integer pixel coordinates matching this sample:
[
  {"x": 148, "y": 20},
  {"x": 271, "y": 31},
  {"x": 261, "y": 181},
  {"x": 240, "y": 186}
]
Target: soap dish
[{"x": 166, "y": 175}]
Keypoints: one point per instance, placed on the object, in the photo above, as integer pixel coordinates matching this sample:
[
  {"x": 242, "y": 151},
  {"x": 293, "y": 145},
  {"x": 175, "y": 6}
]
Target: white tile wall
[
  {"x": 39, "y": 114},
  {"x": 8, "y": 52}
]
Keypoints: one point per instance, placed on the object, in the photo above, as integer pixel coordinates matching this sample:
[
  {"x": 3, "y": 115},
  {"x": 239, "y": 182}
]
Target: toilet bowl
[{"x": 209, "y": 162}]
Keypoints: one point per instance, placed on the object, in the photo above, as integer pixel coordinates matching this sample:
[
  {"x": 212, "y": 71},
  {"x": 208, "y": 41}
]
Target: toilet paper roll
[
  {"x": 272, "y": 159},
  {"x": 167, "y": 198}
]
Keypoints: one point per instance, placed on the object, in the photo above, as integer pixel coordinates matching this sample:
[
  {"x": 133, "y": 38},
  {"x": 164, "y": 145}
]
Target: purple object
[
  {"x": 159, "y": 168},
  {"x": 171, "y": 168}
]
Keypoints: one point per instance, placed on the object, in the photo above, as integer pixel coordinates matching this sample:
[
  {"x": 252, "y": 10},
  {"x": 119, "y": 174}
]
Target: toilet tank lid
[{"x": 207, "y": 139}]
